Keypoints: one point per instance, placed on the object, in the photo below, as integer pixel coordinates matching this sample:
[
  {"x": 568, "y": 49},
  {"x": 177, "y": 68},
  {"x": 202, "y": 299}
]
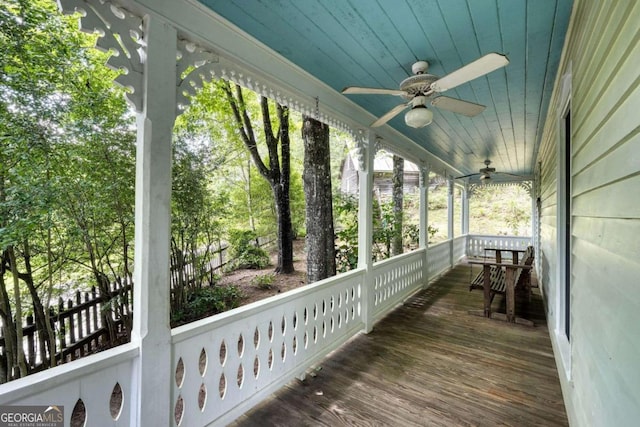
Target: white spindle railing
[
  {"x": 394, "y": 280},
  {"x": 476, "y": 244}
]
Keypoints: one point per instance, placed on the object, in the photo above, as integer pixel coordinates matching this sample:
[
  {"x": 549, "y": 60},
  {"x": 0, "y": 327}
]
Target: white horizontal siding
[{"x": 603, "y": 51}]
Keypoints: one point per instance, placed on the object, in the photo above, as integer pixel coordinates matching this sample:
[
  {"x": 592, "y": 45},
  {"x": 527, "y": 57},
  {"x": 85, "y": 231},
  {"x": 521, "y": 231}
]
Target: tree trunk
[
  {"x": 43, "y": 325},
  {"x": 285, "y": 232},
  {"x": 282, "y": 196},
  {"x": 277, "y": 173},
  {"x": 8, "y": 359},
  {"x": 321, "y": 259},
  {"x": 398, "y": 193},
  {"x": 22, "y": 365}
]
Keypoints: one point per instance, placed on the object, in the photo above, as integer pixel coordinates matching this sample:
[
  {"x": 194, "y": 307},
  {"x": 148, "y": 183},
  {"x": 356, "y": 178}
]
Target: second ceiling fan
[
  {"x": 423, "y": 87},
  {"x": 486, "y": 172}
]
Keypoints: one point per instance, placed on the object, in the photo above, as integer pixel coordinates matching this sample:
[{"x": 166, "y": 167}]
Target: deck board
[{"x": 430, "y": 363}]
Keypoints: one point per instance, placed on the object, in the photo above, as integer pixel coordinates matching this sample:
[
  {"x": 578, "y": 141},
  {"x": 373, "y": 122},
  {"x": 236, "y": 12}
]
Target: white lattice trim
[
  {"x": 526, "y": 185},
  {"x": 308, "y": 105}
]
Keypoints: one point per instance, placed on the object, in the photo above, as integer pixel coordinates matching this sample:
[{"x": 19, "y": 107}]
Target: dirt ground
[{"x": 281, "y": 282}]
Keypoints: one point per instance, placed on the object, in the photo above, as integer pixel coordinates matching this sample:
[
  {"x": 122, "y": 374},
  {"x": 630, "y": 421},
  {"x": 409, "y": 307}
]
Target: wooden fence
[{"x": 80, "y": 323}]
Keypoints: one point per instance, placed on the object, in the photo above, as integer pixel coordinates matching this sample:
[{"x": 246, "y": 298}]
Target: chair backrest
[{"x": 529, "y": 255}]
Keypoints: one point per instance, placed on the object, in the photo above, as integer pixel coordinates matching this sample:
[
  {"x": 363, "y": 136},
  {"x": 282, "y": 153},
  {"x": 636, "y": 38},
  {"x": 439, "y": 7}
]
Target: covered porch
[
  {"x": 430, "y": 363},
  {"x": 563, "y": 118},
  {"x": 424, "y": 358},
  {"x": 212, "y": 371}
]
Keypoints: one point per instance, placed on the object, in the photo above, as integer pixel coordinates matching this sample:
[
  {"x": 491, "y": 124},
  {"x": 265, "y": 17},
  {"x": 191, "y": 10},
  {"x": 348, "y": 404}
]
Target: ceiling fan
[
  {"x": 423, "y": 87},
  {"x": 486, "y": 172}
]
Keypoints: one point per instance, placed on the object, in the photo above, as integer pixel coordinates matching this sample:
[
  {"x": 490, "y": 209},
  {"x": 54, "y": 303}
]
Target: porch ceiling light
[{"x": 419, "y": 116}]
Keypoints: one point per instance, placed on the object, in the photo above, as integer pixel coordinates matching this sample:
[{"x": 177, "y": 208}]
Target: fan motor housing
[{"x": 419, "y": 84}]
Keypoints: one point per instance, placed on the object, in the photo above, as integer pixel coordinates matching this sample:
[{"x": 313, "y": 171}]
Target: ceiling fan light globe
[{"x": 418, "y": 117}]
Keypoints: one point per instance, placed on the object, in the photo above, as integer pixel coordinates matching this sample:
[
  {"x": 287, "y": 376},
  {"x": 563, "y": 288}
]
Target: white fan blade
[
  {"x": 390, "y": 115},
  {"x": 466, "y": 176},
  {"x": 475, "y": 69},
  {"x": 459, "y": 106},
  {"x": 372, "y": 91}
]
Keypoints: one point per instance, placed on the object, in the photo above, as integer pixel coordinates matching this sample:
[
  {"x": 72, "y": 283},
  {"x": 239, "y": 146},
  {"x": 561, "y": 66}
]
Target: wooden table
[{"x": 514, "y": 253}]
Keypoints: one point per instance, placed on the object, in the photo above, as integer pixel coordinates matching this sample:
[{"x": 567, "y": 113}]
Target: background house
[{"x": 382, "y": 175}]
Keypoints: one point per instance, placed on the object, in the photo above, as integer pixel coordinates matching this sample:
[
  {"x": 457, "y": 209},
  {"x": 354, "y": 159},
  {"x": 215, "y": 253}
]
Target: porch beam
[{"x": 151, "y": 402}]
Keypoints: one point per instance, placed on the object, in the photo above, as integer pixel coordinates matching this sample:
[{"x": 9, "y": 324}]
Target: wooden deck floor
[{"x": 430, "y": 363}]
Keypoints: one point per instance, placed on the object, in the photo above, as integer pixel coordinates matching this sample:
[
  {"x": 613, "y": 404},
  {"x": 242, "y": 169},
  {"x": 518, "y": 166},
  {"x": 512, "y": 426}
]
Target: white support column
[
  {"x": 424, "y": 222},
  {"x": 465, "y": 209},
  {"x": 151, "y": 329},
  {"x": 450, "y": 207},
  {"x": 366, "y": 153}
]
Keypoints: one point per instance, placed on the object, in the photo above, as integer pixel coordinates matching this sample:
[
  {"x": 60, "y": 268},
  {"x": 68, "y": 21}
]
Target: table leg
[
  {"x": 498, "y": 256},
  {"x": 510, "y": 294},
  {"x": 515, "y": 256},
  {"x": 487, "y": 290}
]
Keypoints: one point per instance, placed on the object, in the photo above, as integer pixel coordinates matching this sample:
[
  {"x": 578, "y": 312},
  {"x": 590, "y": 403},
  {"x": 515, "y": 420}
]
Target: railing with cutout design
[
  {"x": 476, "y": 245},
  {"x": 394, "y": 280},
  {"x": 228, "y": 363},
  {"x": 459, "y": 248},
  {"x": 224, "y": 365},
  {"x": 94, "y": 391},
  {"x": 439, "y": 258}
]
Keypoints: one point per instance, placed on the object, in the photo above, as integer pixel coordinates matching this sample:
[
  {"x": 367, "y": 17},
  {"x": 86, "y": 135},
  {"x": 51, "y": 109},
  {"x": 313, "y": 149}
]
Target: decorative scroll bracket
[
  {"x": 361, "y": 150},
  {"x": 195, "y": 67},
  {"x": 120, "y": 32}
]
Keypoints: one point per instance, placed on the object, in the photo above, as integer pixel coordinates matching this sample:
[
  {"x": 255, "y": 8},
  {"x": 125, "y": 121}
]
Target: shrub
[
  {"x": 205, "y": 302},
  {"x": 263, "y": 281},
  {"x": 412, "y": 234},
  {"x": 243, "y": 251}
]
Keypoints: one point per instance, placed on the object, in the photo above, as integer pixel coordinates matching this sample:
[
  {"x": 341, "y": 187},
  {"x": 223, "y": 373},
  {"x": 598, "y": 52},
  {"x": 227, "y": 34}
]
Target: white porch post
[
  {"x": 450, "y": 218},
  {"x": 151, "y": 330},
  {"x": 424, "y": 222},
  {"x": 465, "y": 209},
  {"x": 366, "y": 149}
]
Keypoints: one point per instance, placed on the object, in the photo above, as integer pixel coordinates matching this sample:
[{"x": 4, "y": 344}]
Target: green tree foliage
[
  {"x": 195, "y": 220},
  {"x": 66, "y": 165},
  {"x": 346, "y": 217},
  {"x": 500, "y": 210}
]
